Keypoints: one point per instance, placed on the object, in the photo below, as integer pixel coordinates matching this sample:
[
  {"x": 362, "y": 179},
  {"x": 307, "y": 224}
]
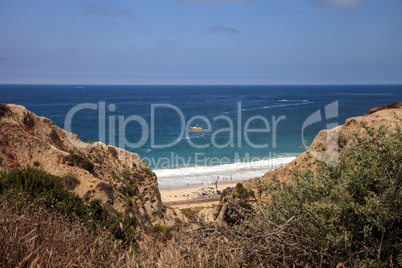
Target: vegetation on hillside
[
  {"x": 346, "y": 214},
  {"x": 349, "y": 213},
  {"x": 31, "y": 236},
  {"x": 393, "y": 105},
  {"x": 31, "y": 185}
]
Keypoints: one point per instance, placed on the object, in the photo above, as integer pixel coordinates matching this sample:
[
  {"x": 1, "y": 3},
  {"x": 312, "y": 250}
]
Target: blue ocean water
[{"x": 246, "y": 130}]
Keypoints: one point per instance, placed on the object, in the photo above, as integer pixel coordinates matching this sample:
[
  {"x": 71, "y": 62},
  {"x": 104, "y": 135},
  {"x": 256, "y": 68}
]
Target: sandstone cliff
[
  {"x": 92, "y": 170},
  {"x": 250, "y": 190}
]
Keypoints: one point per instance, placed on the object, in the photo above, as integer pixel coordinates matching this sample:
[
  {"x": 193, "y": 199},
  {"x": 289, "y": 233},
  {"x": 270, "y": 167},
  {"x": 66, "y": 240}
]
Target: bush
[
  {"x": 190, "y": 214},
  {"x": 29, "y": 185},
  {"x": 351, "y": 212},
  {"x": 107, "y": 188},
  {"x": 242, "y": 192},
  {"x": 70, "y": 181},
  {"x": 126, "y": 174},
  {"x": 3, "y": 110},
  {"x": 159, "y": 228},
  {"x": 113, "y": 151},
  {"x": 129, "y": 190},
  {"x": 82, "y": 162},
  {"x": 147, "y": 170},
  {"x": 391, "y": 106},
  {"x": 32, "y": 237},
  {"x": 235, "y": 213},
  {"x": 29, "y": 120}
]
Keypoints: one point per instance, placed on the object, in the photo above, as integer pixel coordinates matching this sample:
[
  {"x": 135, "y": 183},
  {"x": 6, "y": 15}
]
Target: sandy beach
[{"x": 194, "y": 196}]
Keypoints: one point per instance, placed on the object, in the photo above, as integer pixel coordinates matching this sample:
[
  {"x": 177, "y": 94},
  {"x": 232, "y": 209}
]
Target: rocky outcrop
[
  {"x": 394, "y": 105},
  {"x": 92, "y": 170},
  {"x": 318, "y": 149}
]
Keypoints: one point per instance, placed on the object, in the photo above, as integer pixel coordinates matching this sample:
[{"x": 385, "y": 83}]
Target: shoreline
[{"x": 194, "y": 195}]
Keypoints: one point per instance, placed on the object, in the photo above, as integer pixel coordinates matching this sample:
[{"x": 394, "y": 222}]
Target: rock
[
  {"x": 319, "y": 148},
  {"x": 394, "y": 105},
  {"x": 116, "y": 177}
]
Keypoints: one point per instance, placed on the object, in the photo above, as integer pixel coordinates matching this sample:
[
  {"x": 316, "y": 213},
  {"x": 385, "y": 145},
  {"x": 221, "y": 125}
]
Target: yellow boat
[{"x": 195, "y": 128}]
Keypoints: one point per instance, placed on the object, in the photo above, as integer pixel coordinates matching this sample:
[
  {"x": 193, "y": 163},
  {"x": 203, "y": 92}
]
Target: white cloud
[
  {"x": 340, "y": 4},
  {"x": 220, "y": 28}
]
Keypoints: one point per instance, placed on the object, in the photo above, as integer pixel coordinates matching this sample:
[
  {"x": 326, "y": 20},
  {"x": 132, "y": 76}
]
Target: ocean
[{"x": 246, "y": 130}]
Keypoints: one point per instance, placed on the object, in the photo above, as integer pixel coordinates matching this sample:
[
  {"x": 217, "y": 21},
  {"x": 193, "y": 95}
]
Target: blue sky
[{"x": 201, "y": 41}]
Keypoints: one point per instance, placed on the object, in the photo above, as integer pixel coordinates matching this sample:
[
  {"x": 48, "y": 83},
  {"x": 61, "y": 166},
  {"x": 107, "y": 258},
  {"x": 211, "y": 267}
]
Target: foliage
[
  {"x": 390, "y": 106},
  {"x": 159, "y": 228},
  {"x": 29, "y": 120},
  {"x": 243, "y": 193},
  {"x": 129, "y": 190},
  {"x": 126, "y": 174},
  {"x": 113, "y": 151},
  {"x": 3, "y": 110},
  {"x": 70, "y": 181},
  {"x": 28, "y": 185},
  {"x": 81, "y": 162},
  {"x": 237, "y": 212},
  {"x": 350, "y": 212},
  {"x": 147, "y": 170},
  {"x": 33, "y": 237},
  {"x": 189, "y": 213},
  {"x": 107, "y": 188}
]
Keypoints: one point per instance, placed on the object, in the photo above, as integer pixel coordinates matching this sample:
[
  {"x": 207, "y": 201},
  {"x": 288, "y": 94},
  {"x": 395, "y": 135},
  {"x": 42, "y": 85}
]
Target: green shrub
[
  {"x": 350, "y": 212},
  {"x": 28, "y": 185},
  {"x": 189, "y": 213},
  {"x": 129, "y": 190},
  {"x": 242, "y": 192},
  {"x": 36, "y": 163},
  {"x": 387, "y": 106},
  {"x": 96, "y": 210},
  {"x": 235, "y": 213},
  {"x": 116, "y": 177},
  {"x": 70, "y": 181},
  {"x": 159, "y": 228},
  {"x": 126, "y": 174},
  {"x": 97, "y": 160},
  {"x": 81, "y": 162},
  {"x": 148, "y": 171},
  {"x": 391, "y": 105}
]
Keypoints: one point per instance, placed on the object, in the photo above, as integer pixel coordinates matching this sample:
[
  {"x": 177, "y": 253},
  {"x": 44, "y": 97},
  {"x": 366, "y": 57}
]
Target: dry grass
[
  {"x": 32, "y": 237},
  {"x": 247, "y": 244}
]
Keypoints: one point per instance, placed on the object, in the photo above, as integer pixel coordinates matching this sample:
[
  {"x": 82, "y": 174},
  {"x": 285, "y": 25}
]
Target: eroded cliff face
[
  {"x": 251, "y": 190},
  {"x": 92, "y": 170}
]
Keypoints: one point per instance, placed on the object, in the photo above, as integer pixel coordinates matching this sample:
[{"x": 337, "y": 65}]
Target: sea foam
[{"x": 204, "y": 175}]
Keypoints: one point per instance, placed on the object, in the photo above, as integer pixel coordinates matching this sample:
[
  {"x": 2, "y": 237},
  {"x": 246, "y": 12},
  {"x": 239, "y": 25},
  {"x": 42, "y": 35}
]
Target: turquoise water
[{"x": 154, "y": 121}]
